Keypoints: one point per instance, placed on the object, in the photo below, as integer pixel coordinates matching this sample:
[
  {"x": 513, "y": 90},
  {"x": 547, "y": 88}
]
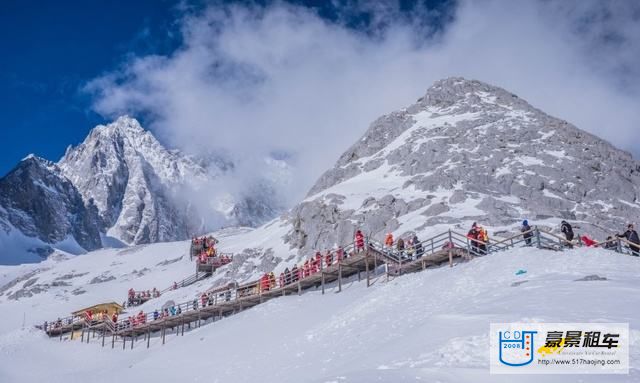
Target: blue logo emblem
[{"x": 516, "y": 347}]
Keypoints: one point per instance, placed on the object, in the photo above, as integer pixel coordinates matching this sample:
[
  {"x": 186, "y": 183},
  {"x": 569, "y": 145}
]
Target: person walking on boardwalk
[
  {"x": 400, "y": 247},
  {"x": 527, "y": 234},
  {"x": 567, "y": 230},
  {"x": 287, "y": 276},
  {"x": 203, "y": 299},
  {"x": 295, "y": 273},
  {"x": 388, "y": 241},
  {"x": 339, "y": 254},
  {"x": 359, "y": 241},
  {"x": 264, "y": 282},
  {"x": 632, "y": 236},
  {"x": 473, "y": 237},
  {"x": 306, "y": 269},
  {"x": 483, "y": 237},
  {"x": 328, "y": 258},
  {"x": 411, "y": 251},
  {"x": 418, "y": 246}
]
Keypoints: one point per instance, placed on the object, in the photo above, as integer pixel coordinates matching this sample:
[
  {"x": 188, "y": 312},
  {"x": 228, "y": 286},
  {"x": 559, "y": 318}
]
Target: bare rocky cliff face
[{"x": 468, "y": 151}]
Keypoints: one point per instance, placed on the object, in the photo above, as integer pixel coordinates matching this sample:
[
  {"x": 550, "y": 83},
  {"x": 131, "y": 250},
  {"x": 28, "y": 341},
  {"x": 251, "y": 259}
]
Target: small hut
[{"x": 110, "y": 308}]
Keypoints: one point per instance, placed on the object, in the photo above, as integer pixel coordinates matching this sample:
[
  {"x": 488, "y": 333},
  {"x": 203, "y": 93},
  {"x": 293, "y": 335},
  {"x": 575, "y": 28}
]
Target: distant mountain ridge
[{"x": 121, "y": 185}]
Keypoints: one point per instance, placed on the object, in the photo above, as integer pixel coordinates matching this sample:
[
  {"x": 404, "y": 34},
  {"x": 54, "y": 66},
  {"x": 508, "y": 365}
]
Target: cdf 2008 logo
[{"x": 516, "y": 348}]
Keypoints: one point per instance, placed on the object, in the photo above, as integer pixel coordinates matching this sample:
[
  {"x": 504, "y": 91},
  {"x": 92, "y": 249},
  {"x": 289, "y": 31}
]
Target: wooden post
[
  {"x": 124, "y": 342},
  {"x": 182, "y": 327},
  {"x": 322, "y": 281},
  {"x": 103, "y": 334},
  {"x": 339, "y": 278},
  {"x": 299, "y": 287},
  {"x": 538, "y": 237},
  {"x": 163, "y": 334},
  {"x": 198, "y": 318},
  {"x": 113, "y": 340},
  {"x": 81, "y": 334},
  {"x": 132, "y": 339},
  {"x": 148, "y": 337},
  {"x": 423, "y": 265},
  {"x": 366, "y": 266},
  {"x": 450, "y": 258}
]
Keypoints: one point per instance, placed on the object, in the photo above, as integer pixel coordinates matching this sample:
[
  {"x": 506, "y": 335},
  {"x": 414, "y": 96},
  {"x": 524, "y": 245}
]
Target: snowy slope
[{"x": 429, "y": 326}]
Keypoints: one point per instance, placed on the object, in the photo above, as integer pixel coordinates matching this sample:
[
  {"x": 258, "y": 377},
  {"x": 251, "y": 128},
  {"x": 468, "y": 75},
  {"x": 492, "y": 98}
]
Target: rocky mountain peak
[{"x": 468, "y": 151}]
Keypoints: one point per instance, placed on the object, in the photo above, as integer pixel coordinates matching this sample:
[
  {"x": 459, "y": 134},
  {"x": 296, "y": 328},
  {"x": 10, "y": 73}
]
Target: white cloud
[{"x": 253, "y": 80}]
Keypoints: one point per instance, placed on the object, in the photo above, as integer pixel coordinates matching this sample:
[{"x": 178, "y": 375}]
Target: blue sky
[
  {"x": 252, "y": 77},
  {"x": 55, "y": 48},
  {"x": 52, "y": 49}
]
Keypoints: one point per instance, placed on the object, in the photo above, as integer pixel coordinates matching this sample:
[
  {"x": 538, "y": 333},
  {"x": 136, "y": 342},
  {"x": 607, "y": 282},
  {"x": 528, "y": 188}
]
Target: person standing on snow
[
  {"x": 632, "y": 236},
  {"x": 527, "y": 234}
]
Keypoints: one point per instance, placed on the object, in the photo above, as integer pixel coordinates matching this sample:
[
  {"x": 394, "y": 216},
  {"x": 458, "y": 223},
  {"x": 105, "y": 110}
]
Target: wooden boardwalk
[
  {"x": 224, "y": 301},
  {"x": 228, "y": 301}
]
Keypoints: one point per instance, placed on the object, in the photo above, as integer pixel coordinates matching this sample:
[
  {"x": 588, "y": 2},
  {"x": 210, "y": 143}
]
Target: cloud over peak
[{"x": 253, "y": 80}]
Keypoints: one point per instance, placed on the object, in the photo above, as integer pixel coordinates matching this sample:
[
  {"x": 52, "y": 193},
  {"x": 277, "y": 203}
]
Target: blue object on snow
[{"x": 520, "y": 272}]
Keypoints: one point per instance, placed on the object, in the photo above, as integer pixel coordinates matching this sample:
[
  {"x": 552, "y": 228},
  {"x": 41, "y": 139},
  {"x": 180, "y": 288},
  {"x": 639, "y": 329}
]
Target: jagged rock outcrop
[
  {"x": 133, "y": 181},
  {"x": 37, "y": 200}
]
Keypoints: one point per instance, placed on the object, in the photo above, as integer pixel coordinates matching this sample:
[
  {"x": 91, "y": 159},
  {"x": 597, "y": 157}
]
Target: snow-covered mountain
[
  {"x": 137, "y": 190},
  {"x": 468, "y": 151},
  {"x": 465, "y": 152},
  {"x": 133, "y": 181},
  {"x": 40, "y": 207}
]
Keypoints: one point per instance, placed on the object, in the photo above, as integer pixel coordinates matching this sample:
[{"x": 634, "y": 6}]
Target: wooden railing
[{"x": 435, "y": 245}]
